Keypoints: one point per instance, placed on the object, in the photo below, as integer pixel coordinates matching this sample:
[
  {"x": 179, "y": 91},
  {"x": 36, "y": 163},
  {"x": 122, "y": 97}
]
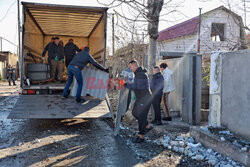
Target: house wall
[
  {"x": 12, "y": 59},
  {"x": 189, "y": 42},
  {"x": 183, "y": 44},
  {"x": 5, "y": 60}
]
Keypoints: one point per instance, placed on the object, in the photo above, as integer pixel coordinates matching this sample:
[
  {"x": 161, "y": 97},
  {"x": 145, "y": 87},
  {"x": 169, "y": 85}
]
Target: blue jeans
[{"x": 73, "y": 71}]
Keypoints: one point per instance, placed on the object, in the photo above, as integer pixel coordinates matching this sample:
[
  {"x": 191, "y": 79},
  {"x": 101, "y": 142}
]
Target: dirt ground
[{"x": 74, "y": 142}]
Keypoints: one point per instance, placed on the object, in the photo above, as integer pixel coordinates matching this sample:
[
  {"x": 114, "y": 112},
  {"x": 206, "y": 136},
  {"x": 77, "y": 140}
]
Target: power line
[{"x": 8, "y": 11}]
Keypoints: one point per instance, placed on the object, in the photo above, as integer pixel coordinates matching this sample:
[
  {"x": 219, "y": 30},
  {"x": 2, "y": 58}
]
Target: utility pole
[
  {"x": 19, "y": 43},
  {"x": 18, "y": 30},
  {"x": 199, "y": 32},
  {"x": 245, "y": 13},
  {"x": 113, "y": 35},
  {"x": 1, "y": 41}
]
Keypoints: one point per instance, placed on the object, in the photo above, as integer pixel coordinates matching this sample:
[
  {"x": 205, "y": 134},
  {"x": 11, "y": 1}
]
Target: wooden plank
[{"x": 52, "y": 106}]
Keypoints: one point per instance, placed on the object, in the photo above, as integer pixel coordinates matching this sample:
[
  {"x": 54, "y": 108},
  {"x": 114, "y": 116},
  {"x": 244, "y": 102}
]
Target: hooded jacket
[
  {"x": 140, "y": 85},
  {"x": 156, "y": 84},
  {"x": 81, "y": 59}
]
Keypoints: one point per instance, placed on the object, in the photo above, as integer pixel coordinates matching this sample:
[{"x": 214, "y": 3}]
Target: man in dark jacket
[
  {"x": 143, "y": 99},
  {"x": 80, "y": 60},
  {"x": 156, "y": 87},
  {"x": 57, "y": 57},
  {"x": 70, "y": 50},
  {"x": 11, "y": 75},
  {"x": 48, "y": 49}
]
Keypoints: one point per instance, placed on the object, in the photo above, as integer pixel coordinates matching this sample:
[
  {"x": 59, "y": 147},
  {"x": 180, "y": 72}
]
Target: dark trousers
[
  {"x": 68, "y": 60},
  {"x": 140, "y": 112},
  {"x": 157, "y": 106},
  {"x": 73, "y": 71},
  {"x": 11, "y": 78}
]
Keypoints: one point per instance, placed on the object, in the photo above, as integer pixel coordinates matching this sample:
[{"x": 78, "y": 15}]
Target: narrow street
[
  {"x": 73, "y": 142},
  {"x": 57, "y": 142}
]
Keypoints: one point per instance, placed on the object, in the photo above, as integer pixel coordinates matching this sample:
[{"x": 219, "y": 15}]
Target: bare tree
[{"x": 141, "y": 18}]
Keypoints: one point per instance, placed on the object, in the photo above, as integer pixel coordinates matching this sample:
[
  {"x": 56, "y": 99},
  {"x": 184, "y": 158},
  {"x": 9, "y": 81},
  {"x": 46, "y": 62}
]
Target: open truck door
[{"x": 41, "y": 22}]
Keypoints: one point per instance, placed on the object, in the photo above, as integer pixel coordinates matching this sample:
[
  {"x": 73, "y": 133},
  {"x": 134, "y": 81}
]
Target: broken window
[{"x": 217, "y": 32}]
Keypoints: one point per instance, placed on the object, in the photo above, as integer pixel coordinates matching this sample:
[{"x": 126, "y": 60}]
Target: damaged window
[{"x": 217, "y": 32}]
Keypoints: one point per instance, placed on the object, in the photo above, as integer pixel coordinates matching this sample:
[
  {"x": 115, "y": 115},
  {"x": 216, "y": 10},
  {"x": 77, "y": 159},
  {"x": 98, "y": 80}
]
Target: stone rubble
[{"x": 186, "y": 145}]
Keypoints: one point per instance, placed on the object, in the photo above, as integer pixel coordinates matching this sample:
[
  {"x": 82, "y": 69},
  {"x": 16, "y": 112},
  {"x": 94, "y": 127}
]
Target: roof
[
  {"x": 187, "y": 27},
  {"x": 68, "y": 20}
]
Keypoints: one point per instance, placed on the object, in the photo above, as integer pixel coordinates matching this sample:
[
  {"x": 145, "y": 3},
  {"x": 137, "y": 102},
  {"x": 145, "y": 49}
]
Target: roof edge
[
  {"x": 220, "y": 7},
  {"x": 64, "y": 6}
]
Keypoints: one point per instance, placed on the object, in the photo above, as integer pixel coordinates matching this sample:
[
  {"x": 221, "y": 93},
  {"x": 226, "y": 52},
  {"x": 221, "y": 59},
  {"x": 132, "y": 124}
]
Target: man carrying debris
[
  {"x": 70, "y": 50},
  {"x": 143, "y": 99},
  {"x": 11, "y": 75},
  {"x": 57, "y": 57},
  {"x": 168, "y": 87},
  {"x": 79, "y": 61}
]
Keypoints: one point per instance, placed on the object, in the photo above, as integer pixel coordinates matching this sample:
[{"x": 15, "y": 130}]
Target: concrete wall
[
  {"x": 230, "y": 90},
  {"x": 236, "y": 92}
]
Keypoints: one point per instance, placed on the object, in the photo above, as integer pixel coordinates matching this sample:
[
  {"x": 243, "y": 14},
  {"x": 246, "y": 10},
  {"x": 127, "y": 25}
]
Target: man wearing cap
[
  {"x": 70, "y": 50},
  {"x": 79, "y": 61}
]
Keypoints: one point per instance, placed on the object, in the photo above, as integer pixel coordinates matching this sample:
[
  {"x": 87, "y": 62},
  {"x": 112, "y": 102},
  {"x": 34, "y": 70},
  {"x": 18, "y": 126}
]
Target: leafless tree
[{"x": 140, "y": 19}]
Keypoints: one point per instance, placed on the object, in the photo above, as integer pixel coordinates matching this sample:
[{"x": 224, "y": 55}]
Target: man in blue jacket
[
  {"x": 80, "y": 60},
  {"x": 156, "y": 87}
]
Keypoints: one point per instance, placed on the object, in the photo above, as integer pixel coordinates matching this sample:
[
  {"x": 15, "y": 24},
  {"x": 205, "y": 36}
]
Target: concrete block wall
[{"x": 230, "y": 92}]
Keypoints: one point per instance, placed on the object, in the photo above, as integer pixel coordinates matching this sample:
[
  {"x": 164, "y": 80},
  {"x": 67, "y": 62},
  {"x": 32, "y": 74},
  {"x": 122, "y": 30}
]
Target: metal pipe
[
  {"x": 199, "y": 32},
  {"x": 113, "y": 35},
  {"x": 1, "y": 40}
]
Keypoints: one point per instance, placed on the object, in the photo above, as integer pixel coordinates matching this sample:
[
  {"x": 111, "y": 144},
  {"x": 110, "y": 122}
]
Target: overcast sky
[{"x": 8, "y": 20}]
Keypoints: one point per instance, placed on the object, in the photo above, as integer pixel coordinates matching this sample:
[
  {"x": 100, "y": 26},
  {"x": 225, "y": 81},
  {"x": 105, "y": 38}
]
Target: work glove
[
  {"x": 43, "y": 59},
  {"x": 106, "y": 70}
]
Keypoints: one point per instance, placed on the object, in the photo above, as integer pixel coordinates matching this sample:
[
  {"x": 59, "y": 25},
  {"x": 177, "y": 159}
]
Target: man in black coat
[
  {"x": 57, "y": 57},
  {"x": 156, "y": 87},
  {"x": 143, "y": 99},
  {"x": 48, "y": 49},
  {"x": 70, "y": 50}
]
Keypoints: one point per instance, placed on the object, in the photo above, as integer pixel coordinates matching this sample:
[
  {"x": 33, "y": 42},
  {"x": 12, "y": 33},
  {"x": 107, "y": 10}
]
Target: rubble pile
[{"x": 186, "y": 145}]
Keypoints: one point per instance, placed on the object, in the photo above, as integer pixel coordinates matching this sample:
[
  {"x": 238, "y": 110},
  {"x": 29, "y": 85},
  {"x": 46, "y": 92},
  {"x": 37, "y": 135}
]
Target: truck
[{"x": 41, "y": 98}]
